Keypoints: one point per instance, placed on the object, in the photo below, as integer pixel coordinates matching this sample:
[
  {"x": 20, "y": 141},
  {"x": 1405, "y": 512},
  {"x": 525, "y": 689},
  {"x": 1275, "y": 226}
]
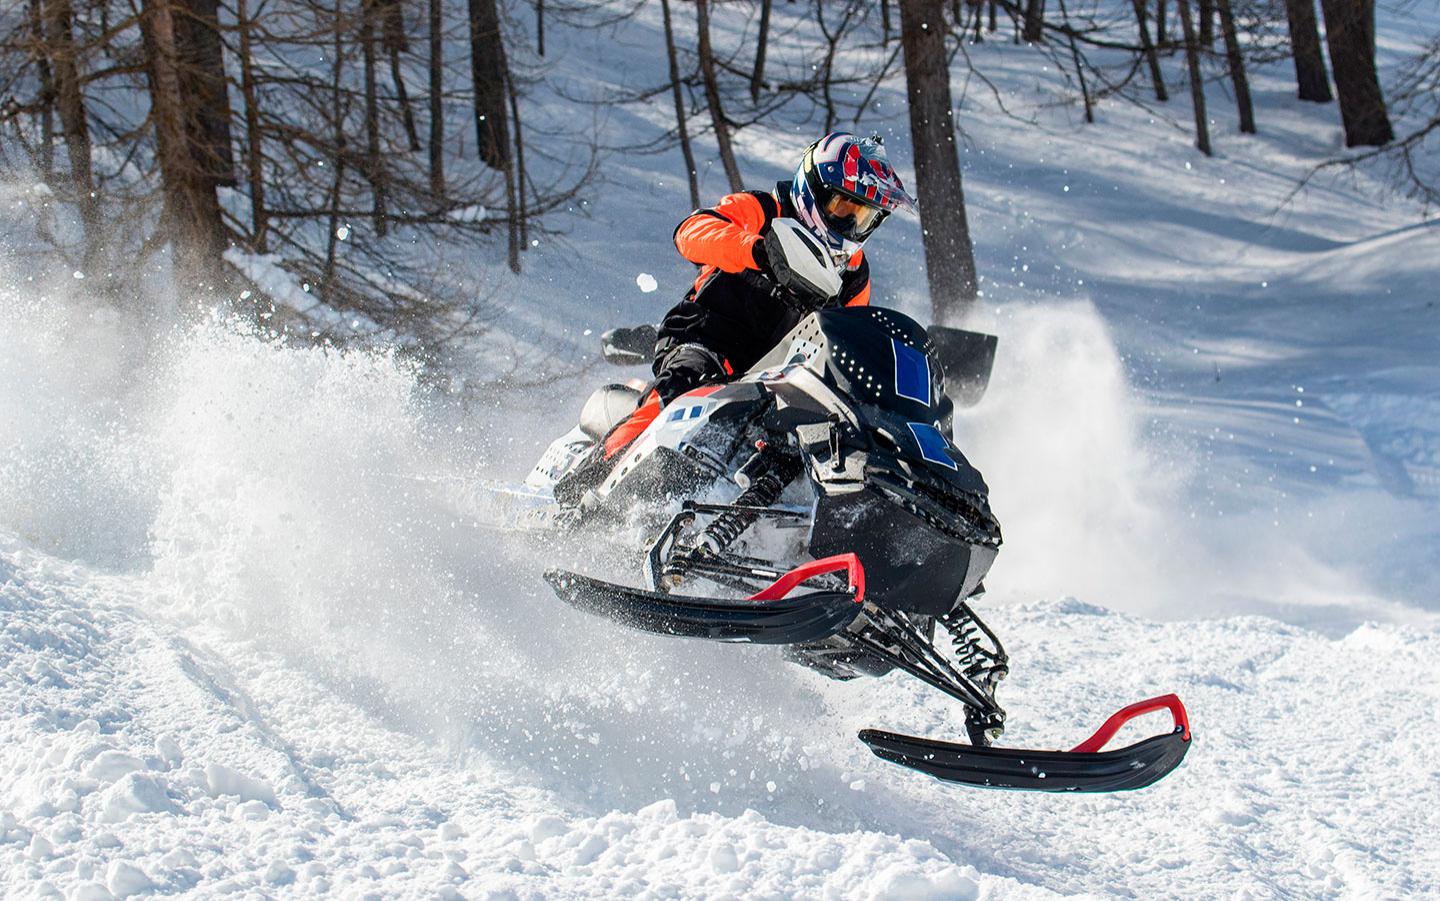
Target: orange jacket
[{"x": 722, "y": 238}]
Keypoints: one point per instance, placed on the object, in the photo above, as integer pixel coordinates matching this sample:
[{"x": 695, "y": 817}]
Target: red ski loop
[
  {"x": 1124, "y": 715},
  {"x": 783, "y": 585}
]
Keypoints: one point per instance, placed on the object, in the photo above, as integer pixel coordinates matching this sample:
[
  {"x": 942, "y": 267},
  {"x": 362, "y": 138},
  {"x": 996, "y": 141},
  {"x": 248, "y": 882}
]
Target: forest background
[{"x": 334, "y": 169}]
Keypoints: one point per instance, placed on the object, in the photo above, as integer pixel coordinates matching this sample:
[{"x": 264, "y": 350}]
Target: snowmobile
[{"x": 819, "y": 502}]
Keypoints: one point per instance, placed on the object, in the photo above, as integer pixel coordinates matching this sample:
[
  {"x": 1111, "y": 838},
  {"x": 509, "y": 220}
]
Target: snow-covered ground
[
  {"x": 249, "y": 645},
  {"x": 139, "y": 755}
]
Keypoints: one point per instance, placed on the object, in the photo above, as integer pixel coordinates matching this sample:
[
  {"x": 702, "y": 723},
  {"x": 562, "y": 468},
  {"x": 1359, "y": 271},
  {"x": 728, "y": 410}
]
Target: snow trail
[
  {"x": 292, "y": 507},
  {"x": 298, "y": 496},
  {"x": 248, "y": 643},
  {"x": 301, "y": 496}
]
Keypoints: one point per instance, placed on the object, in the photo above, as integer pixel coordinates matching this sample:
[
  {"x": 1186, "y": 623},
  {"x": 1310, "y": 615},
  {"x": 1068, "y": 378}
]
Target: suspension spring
[
  {"x": 769, "y": 473},
  {"x": 969, "y": 638}
]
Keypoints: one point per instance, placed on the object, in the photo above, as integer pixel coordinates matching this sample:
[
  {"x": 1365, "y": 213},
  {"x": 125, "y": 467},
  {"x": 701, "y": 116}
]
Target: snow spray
[
  {"x": 301, "y": 497},
  {"x": 1098, "y": 504}
]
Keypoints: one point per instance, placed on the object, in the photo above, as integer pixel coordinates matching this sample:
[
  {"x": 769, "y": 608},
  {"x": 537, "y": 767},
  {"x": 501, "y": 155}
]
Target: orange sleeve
[
  {"x": 723, "y": 235},
  {"x": 862, "y": 297}
]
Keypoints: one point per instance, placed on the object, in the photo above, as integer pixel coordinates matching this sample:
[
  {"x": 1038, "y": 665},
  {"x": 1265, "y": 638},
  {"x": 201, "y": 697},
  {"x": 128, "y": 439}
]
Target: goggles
[{"x": 850, "y": 217}]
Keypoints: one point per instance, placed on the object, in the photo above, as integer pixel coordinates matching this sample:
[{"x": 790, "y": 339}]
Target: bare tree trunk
[
  {"x": 1148, "y": 48},
  {"x": 949, "y": 257},
  {"x": 1162, "y": 31},
  {"x": 832, "y": 42},
  {"x": 1349, "y": 28},
  {"x": 1079, "y": 65},
  {"x": 70, "y": 102},
  {"x": 540, "y": 27},
  {"x": 487, "y": 71},
  {"x": 192, "y": 209},
  {"x": 337, "y": 116},
  {"x": 1197, "y": 85},
  {"x": 994, "y": 23},
  {"x": 255, "y": 146},
  {"x": 712, "y": 97},
  {"x": 757, "y": 76},
  {"x": 47, "y": 91},
  {"x": 374, "y": 166},
  {"x": 524, "y": 219},
  {"x": 395, "y": 43},
  {"x": 512, "y": 215},
  {"x": 685, "y": 150},
  {"x": 202, "y": 68},
  {"x": 514, "y": 196},
  {"x": 884, "y": 23},
  {"x": 1310, "y": 75},
  {"x": 437, "y": 102},
  {"x": 1236, "y": 63},
  {"x": 1370, "y": 24},
  {"x": 1034, "y": 31},
  {"x": 1207, "y": 23}
]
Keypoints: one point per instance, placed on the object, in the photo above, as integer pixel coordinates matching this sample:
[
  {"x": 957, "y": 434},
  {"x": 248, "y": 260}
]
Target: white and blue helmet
[{"x": 844, "y": 188}]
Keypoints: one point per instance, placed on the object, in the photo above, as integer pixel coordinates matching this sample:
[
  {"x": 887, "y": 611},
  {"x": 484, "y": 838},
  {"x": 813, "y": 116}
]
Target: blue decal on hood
[
  {"x": 912, "y": 373},
  {"x": 933, "y": 445}
]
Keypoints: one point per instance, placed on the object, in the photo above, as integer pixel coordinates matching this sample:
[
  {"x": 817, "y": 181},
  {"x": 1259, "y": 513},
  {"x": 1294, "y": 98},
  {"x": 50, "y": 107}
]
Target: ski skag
[{"x": 856, "y": 534}]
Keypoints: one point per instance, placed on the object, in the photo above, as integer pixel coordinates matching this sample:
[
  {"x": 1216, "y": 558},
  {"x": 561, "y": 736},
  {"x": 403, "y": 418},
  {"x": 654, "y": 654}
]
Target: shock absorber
[{"x": 763, "y": 478}]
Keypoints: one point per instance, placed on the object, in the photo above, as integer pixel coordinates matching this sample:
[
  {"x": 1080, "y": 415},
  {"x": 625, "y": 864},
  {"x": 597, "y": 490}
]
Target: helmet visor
[{"x": 850, "y": 217}]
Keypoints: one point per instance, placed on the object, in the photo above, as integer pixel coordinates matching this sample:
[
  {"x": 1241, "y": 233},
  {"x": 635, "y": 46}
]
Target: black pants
[
  {"x": 684, "y": 367},
  {"x": 678, "y": 368}
]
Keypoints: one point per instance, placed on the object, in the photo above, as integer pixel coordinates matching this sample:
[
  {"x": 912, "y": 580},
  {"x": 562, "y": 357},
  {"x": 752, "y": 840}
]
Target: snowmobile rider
[{"x": 843, "y": 188}]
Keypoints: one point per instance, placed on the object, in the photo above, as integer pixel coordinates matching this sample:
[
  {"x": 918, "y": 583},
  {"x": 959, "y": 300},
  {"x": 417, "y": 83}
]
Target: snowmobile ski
[
  {"x": 769, "y": 616},
  {"x": 1085, "y": 768}
]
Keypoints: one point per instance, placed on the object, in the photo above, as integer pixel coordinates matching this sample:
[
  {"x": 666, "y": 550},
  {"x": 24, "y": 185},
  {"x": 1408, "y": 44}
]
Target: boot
[{"x": 587, "y": 474}]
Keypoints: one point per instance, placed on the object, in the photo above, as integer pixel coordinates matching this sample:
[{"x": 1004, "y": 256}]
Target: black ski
[
  {"x": 1084, "y": 769},
  {"x": 1128, "y": 768},
  {"x": 788, "y": 620}
]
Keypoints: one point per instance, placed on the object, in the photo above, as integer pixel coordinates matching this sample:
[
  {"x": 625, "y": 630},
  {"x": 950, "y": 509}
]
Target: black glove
[
  {"x": 764, "y": 277},
  {"x": 760, "y": 252}
]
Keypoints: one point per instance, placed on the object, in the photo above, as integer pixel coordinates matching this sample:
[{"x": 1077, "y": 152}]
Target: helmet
[{"x": 844, "y": 188}]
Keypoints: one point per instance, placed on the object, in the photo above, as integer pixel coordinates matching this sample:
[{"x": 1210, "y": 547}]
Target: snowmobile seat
[{"x": 606, "y": 408}]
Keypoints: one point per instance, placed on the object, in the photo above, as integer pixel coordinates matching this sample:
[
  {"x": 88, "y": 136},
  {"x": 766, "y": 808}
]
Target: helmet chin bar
[{"x": 817, "y": 226}]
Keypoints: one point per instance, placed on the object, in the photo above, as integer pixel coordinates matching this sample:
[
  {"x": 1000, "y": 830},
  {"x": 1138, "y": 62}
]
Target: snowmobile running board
[
  {"x": 766, "y": 617},
  {"x": 1083, "y": 769}
]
